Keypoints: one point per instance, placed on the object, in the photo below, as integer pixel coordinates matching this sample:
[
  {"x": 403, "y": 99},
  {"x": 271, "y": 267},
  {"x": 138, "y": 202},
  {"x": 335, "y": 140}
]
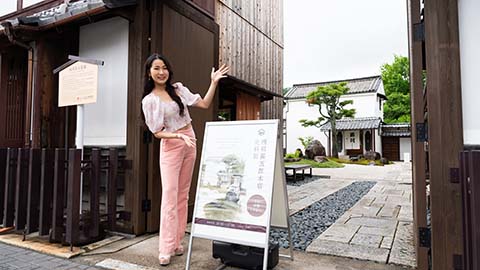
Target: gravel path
[{"x": 309, "y": 223}]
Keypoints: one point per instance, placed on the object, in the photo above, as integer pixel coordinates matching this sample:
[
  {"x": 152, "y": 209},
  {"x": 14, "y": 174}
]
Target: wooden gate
[
  {"x": 13, "y": 85},
  {"x": 391, "y": 148}
]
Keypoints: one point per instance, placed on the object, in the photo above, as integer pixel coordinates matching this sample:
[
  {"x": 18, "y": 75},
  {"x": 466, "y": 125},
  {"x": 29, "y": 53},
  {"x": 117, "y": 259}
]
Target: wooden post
[
  {"x": 21, "y": 189},
  {"x": 136, "y": 179},
  {"x": 10, "y": 179},
  {"x": 95, "y": 194},
  {"x": 418, "y": 153},
  {"x": 445, "y": 131},
  {"x": 46, "y": 191},
  {"x": 72, "y": 231},
  {"x": 34, "y": 176},
  {"x": 112, "y": 188},
  {"x": 3, "y": 169},
  {"x": 58, "y": 196}
]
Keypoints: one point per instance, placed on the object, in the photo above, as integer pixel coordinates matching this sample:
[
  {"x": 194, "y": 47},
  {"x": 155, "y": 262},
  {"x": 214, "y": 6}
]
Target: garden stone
[
  {"x": 315, "y": 148},
  {"x": 371, "y": 155},
  {"x": 320, "y": 159}
]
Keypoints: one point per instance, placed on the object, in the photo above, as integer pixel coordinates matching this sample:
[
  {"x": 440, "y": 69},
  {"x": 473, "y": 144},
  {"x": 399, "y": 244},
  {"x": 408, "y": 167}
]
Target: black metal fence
[{"x": 41, "y": 191}]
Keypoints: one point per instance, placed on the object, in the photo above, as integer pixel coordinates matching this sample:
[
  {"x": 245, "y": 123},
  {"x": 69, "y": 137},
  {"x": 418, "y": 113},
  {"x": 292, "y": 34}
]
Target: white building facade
[{"x": 355, "y": 135}]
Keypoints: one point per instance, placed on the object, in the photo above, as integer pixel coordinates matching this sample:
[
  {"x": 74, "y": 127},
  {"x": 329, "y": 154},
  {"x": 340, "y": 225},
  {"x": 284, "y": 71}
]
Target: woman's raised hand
[{"x": 220, "y": 73}]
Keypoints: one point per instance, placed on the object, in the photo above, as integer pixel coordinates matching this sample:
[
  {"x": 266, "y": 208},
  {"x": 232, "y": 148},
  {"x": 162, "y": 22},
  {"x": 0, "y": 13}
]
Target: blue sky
[{"x": 341, "y": 39}]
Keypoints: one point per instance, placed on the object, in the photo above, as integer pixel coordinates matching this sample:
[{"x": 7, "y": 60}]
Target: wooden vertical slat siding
[
  {"x": 248, "y": 107},
  {"x": 46, "y": 191},
  {"x": 444, "y": 128},
  {"x": 21, "y": 188},
  {"x": 418, "y": 152},
  {"x": 112, "y": 189},
  {"x": 3, "y": 168},
  {"x": 72, "y": 228},
  {"x": 135, "y": 179},
  {"x": 58, "y": 195},
  {"x": 33, "y": 193},
  {"x": 254, "y": 29}
]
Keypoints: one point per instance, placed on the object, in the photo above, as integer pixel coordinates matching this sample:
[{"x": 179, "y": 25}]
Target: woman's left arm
[{"x": 215, "y": 78}]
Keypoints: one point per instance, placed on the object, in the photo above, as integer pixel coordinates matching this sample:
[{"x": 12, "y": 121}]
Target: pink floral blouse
[{"x": 164, "y": 116}]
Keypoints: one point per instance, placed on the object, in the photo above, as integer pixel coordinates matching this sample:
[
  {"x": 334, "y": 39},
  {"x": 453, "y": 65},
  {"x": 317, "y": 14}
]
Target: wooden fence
[{"x": 40, "y": 191}]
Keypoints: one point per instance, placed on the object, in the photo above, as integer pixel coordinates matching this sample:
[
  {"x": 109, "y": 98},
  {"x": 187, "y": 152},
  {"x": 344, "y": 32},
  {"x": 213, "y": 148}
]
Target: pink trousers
[{"x": 176, "y": 169}]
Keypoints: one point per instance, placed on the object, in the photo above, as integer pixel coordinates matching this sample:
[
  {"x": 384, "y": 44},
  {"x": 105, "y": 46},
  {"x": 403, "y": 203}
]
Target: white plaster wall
[
  {"x": 296, "y": 110},
  {"x": 405, "y": 148},
  {"x": 469, "y": 34},
  {"x": 27, "y": 3},
  {"x": 378, "y": 142},
  {"x": 364, "y": 104},
  {"x": 106, "y": 121},
  {"x": 8, "y": 6}
]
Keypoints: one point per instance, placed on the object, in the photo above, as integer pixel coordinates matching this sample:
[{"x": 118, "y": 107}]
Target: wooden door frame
[{"x": 418, "y": 153}]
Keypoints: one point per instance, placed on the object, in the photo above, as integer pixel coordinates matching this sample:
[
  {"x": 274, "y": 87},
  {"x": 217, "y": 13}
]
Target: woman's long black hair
[{"x": 149, "y": 83}]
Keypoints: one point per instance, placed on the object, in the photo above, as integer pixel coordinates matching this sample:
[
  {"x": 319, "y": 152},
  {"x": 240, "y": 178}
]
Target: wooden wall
[{"x": 251, "y": 43}]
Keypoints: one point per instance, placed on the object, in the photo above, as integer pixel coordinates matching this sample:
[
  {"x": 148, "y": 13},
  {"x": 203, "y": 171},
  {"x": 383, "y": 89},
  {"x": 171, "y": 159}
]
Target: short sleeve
[
  {"x": 188, "y": 97},
  {"x": 153, "y": 114}
]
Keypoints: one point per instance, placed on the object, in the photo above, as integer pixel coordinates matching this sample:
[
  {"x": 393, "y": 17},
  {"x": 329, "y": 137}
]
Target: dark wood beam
[{"x": 444, "y": 128}]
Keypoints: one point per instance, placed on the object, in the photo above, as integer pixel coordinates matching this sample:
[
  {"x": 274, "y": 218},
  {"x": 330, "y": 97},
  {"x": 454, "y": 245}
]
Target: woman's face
[{"x": 159, "y": 72}]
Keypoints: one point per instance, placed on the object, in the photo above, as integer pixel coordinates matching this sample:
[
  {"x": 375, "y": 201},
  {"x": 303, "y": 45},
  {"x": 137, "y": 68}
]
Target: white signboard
[
  {"x": 78, "y": 84},
  {"x": 234, "y": 192}
]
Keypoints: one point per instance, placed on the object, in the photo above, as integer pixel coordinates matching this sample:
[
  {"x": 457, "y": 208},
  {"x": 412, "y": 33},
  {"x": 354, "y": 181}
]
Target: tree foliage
[
  {"x": 330, "y": 108},
  {"x": 396, "y": 81}
]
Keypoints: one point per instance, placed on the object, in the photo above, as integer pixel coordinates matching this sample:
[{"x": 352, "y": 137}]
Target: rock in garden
[
  {"x": 320, "y": 159},
  {"x": 371, "y": 155},
  {"x": 315, "y": 148}
]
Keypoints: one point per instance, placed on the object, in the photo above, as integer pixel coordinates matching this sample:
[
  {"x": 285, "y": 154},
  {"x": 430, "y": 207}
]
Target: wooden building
[
  {"x": 444, "y": 42},
  {"x": 37, "y": 36},
  {"x": 251, "y": 43}
]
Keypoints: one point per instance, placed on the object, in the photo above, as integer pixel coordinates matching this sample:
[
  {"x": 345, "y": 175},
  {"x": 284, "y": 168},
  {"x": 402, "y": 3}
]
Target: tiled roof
[
  {"x": 64, "y": 11},
  {"x": 359, "y": 85},
  {"x": 355, "y": 124},
  {"x": 396, "y": 130}
]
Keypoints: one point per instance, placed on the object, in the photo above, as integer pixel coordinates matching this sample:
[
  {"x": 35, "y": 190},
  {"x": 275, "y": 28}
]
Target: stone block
[
  {"x": 320, "y": 246},
  {"x": 339, "y": 233},
  {"x": 367, "y": 240}
]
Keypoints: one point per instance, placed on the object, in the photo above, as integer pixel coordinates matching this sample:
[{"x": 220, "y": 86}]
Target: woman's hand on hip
[{"x": 189, "y": 141}]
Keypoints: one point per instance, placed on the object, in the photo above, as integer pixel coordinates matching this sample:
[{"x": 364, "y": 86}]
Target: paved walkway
[
  {"x": 18, "y": 258},
  {"x": 380, "y": 226}
]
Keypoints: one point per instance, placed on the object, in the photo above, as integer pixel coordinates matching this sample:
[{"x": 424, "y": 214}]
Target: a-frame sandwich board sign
[{"x": 241, "y": 189}]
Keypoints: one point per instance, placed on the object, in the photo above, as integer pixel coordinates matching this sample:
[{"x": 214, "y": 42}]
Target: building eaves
[
  {"x": 354, "y": 124},
  {"x": 356, "y": 86},
  {"x": 63, "y": 13},
  {"x": 396, "y": 130}
]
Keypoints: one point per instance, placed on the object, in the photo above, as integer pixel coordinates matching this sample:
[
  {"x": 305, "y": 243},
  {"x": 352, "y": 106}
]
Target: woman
[{"x": 164, "y": 106}]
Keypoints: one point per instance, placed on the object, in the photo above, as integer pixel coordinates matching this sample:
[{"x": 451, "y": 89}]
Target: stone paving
[
  {"x": 380, "y": 226},
  {"x": 18, "y": 258}
]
